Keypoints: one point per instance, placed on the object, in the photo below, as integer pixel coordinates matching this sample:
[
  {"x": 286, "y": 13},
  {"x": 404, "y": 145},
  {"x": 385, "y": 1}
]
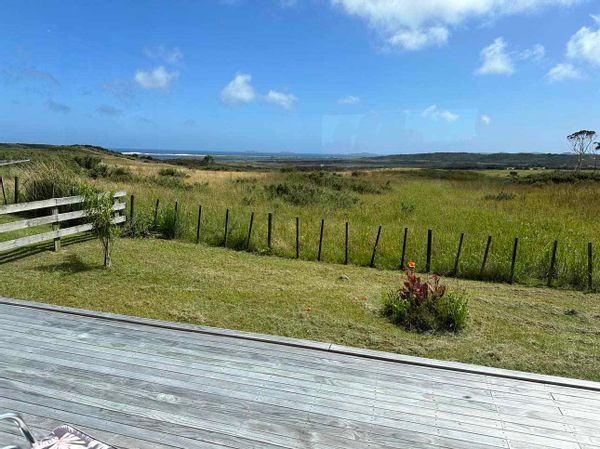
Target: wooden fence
[{"x": 55, "y": 218}]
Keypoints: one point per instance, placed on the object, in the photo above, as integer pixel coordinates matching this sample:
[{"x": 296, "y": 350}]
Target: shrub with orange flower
[{"x": 424, "y": 306}]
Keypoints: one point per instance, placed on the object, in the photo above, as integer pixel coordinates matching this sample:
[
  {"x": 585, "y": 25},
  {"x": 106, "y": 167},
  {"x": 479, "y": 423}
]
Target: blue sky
[{"x": 318, "y": 76}]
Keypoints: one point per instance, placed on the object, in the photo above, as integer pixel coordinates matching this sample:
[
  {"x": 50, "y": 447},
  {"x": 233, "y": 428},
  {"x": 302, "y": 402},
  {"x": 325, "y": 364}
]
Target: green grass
[
  {"x": 448, "y": 202},
  {"x": 513, "y": 327}
]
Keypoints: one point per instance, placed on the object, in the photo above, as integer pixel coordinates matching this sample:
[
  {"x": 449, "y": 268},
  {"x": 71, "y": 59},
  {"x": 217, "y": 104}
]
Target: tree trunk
[{"x": 107, "y": 259}]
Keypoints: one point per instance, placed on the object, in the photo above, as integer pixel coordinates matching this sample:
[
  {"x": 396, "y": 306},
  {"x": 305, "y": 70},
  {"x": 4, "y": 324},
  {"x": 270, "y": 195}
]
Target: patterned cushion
[{"x": 66, "y": 437}]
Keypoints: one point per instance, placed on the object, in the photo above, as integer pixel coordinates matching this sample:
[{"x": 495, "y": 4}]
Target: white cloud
[
  {"x": 535, "y": 53},
  {"x": 432, "y": 112},
  {"x": 585, "y": 46},
  {"x": 485, "y": 119},
  {"x": 419, "y": 23},
  {"x": 418, "y": 39},
  {"x": 449, "y": 116},
  {"x": 563, "y": 72},
  {"x": 288, "y": 3},
  {"x": 285, "y": 100},
  {"x": 170, "y": 56},
  {"x": 349, "y": 99},
  {"x": 158, "y": 78},
  {"x": 496, "y": 60},
  {"x": 239, "y": 90}
]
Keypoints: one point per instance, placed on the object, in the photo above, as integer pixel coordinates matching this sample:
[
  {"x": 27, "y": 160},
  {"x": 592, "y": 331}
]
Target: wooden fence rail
[{"x": 54, "y": 218}]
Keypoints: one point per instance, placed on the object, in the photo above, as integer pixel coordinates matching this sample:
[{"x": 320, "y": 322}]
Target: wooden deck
[{"x": 143, "y": 384}]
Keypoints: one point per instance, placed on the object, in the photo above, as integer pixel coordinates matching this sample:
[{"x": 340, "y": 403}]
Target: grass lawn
[{"x": 532, "y": 329}]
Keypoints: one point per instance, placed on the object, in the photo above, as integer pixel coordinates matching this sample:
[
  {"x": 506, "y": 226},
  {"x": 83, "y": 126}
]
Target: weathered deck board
[{"x": 144, "y": 384}]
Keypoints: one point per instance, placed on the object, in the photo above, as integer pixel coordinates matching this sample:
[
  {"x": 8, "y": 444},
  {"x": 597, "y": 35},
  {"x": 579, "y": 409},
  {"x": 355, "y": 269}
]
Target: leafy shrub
[
  {"x": 426, "y": 306},
  {"x": 88, "y": 162},
  {"x": 340, "y": 183},
  {"x": 142, "y": 226},
  {"x": 170, "y": 223},
  {"x": 116, "y": 173},
  {"x": 169, "y": 182},
  {"x": 172, "y": 172},
  {"x": 450, "y": 175},
  {"x": 559, "y": 177},
  {"x": 500, "y": 196},
  {"x": 300, "y": 194}
]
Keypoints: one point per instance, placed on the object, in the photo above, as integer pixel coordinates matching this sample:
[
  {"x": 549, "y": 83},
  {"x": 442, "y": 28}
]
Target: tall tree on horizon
[{"x": 580, "y": 143}]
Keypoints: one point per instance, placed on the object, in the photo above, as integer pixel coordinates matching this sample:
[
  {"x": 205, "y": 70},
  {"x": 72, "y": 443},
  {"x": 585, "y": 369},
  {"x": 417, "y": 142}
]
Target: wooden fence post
[
  {"x": 3, "y": 190},
  {"x": 131, "y": 209},
  {"x": 199, "y": 223},
  {"x": 270, "y": 230},
  {"x": 250, "y": 230},
  {"x": 297, "y": 237},
  {"x": 226, "y": 228},
  {"x": 346, "y": 243},
  {"x": 56, "y": 227},
  {"x": 156, "y": 211},
  {"x": 552, "y": 270},
  {"x": 590, "y": 266},
  {"x": 321, "y": 240},
  {"x": 372, "y": 264},
  {"x": 403, "y": 249},
  {"x": 16, "y": 189},
  {"x": 458, "y": 251},
  {"x": 514, "y": 261},
  {"x": 175, "y": 218},
  {"x": 485, "y": 255},
  {"x": 428, "y": 258}
]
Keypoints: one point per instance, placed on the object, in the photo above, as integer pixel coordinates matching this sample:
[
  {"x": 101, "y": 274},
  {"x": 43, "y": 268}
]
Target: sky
[{"x": 313, "y": 76}]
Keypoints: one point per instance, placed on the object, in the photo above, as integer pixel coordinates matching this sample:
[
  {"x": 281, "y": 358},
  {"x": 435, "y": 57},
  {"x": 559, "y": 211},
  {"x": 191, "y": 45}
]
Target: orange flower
[{"x": 411, "y": 264}]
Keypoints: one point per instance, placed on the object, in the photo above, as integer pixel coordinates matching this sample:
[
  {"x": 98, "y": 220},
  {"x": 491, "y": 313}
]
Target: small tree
[
  {"x": 596, "y": 151},
  {"x": 99, "y": 212},
  {"x": 208, "y": 160},
  {"x": 580, "y": 143}
]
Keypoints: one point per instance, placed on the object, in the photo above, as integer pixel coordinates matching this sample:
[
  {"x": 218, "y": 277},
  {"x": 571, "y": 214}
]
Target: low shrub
[
  {"x": 340, "y": 183},
  {"x": 142, "y": 226},
  {"x": 558, "y": 177},
  {"x": 170, "y": 223},
  {"x": 88, "y": 162},
  {"x": 426, "y": 306},
  {"x": 300, "y": 194},
  {"x": 116, "y": 173},
  {"x": 172, "y": 172},
  {"x": 500, "y": 196}
]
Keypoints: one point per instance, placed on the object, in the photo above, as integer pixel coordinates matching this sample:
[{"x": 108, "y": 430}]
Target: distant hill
[{"x": 458, "y": 161}]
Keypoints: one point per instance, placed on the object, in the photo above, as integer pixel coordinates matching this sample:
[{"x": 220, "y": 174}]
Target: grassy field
[
  {"x": 448, "y": 202},
  {"x": 541, "y": 330}
]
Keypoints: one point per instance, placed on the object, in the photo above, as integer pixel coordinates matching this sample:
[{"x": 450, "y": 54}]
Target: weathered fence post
[
  {"x": 250, "y": 230},
  {"x": 56, "y": 227},
  {"x": 552, "y": 270},
  {"x": 403, "y": 249},
  {"x": 226, "y": 228},
  {"x": 372, "y": 264},
  {"x": 270, "y": 230},
  {"x": 131, "y": 209},
  {"x": 458, "y": 252},
  {"x": 156, "y": 211},
  {"x": 297, "y": 237},
  {"x": 428, "y": 258},
  {"x": 199, "y": 224},
  {"x": 3, "y": 189},
  {"x": 321, "y": 240},
  {"x": 590, "y": 266},
  {"x": 346, "y": 243},
  {"x": 16, "y": 189},
  {"x": 514, "y": 261},
  {"x": 485, "y": 255}
]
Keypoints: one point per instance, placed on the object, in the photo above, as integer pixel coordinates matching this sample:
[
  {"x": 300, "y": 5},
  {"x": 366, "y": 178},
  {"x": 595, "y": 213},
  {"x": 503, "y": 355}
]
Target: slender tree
[
  {"x": 580, "y": 143},
  {"x": 596, "y": 151},
  {"x": 99, "y": 212}
]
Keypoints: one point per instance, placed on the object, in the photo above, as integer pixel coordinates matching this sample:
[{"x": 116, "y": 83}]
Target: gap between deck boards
[{"x": 313, "y": 345}]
